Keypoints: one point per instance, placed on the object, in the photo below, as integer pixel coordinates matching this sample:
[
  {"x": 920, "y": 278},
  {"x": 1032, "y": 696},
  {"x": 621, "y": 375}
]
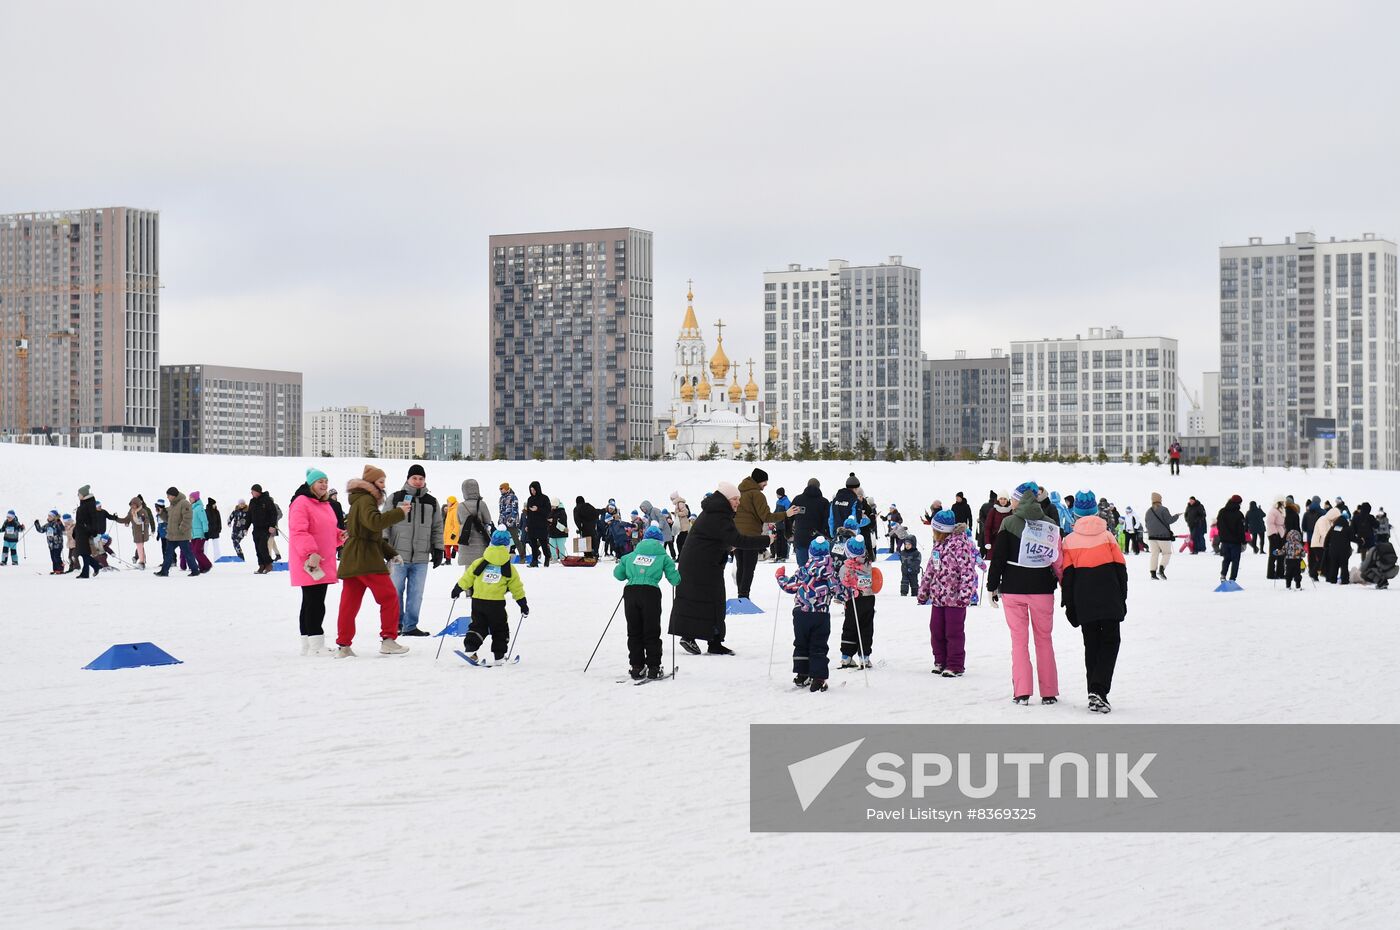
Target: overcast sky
[{"x": 328, "y": 173}]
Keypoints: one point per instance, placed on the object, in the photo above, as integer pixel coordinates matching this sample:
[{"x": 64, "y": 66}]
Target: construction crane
[{"x": 1195, "y": 399}]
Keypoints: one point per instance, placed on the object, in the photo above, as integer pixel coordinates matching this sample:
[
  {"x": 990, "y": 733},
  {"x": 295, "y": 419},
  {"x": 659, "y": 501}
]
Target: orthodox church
[{"x": 708, "y": 407}]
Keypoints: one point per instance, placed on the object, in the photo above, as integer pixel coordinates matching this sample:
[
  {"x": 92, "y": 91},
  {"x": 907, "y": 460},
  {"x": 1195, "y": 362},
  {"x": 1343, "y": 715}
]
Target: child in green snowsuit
[{"x": 643, "y": 569}]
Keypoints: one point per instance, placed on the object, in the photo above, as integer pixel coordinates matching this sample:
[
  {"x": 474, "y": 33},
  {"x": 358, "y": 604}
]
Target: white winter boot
[
  {"x": 344, "y": 652},
  {"x": 305, "y": 645},
  {"x": 391, "y": 647},
  {"x": 316, "y": 646}
]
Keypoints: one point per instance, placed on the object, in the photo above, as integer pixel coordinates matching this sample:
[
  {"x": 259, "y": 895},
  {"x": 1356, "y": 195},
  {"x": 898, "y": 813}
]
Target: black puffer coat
[{"x": 698, "y": 610}]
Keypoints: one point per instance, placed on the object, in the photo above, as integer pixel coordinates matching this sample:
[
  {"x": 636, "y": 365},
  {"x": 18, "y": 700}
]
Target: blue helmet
[
  {"x": 819, "y": 547},
  {"x": 855, "y": 547},
  {"x": 500, "y": 538}
]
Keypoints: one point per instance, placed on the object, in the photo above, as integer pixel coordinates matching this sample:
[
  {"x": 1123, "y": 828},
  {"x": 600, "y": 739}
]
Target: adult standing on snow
[
  {"x": 683, "y": 519},
  {"x": 1174, "y": 454},
  {"x": 1022, "y": 577},
  {"x": 1196, "y": 523},
  {"x": 1274, "y": 532},
  {"x": 586, "y": 519},
  {"x": 474, "y": 516},
  {"x": 1254, "y": 523},
  {"x": 418, "y": 541},
  {"x": 810, "y": 520},
  {"x": 962, "y": 509},
  {"x": 262, "y": 516},
  {"x": 845, "y": 503},
  {"x": 537, "y": 511},
  {"x": 752, "y": 518},
  {"x": 1095, "y": 597},
  {"x": 312, "y": 540},
  {"x": 1160, "y": 537},
  {"x": 84, "y": 529},
  {"x": 1229, "y": 524},
  {"x": 363, "y": 568},
  {"x": 996, "y": 516},
  {"x": 698, "y": 610},
  {"x": 179, "y": 527}
]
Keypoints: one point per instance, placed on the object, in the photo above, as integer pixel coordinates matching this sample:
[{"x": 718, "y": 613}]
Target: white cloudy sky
[{"x": 328, "y": 173}]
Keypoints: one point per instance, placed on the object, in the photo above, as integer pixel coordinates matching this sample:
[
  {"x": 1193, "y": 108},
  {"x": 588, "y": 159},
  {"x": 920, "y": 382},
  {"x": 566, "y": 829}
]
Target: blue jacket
[{"x": 199, "y": 523}]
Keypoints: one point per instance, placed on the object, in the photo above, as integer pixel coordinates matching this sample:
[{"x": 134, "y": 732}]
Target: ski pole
[
  {"x": 855, "y": 621},
  {"x": 773, "y": 646},
  {"x": 515, "y": 640},
  {"x": 605, "y": 633},
  {"x": 442, "y": 637}
]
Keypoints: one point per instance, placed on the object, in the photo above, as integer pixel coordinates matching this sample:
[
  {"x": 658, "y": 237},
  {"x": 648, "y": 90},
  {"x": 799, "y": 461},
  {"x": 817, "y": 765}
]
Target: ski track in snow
[{"x": 252, "y": 788}]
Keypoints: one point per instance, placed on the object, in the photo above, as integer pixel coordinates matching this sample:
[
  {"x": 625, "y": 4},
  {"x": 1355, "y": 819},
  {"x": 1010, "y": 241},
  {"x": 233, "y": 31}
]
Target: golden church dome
[
  {"x": 751, "y": 389},
  {"x": 773, "y": 434},
  {"x": 736, "y": 393},
  {"x": 703, "y": 391},
  {"x": 687, "y": 391},
  {"x": 719, "y": 364},
  {"x": 672, "y": 432}
]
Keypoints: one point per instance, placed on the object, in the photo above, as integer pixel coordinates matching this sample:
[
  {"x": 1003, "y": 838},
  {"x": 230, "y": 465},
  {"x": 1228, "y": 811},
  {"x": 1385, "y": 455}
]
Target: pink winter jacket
[
  {"x": 950, "y": 578},
  {"x": 311, "y": 528},
  {"x": 1273, "y": 523}
]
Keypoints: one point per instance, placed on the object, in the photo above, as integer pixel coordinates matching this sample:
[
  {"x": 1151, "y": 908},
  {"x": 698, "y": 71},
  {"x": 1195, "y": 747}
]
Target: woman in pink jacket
[
  {"x": 1274, "y": 529},
  {"x": 313, "y": 538}
]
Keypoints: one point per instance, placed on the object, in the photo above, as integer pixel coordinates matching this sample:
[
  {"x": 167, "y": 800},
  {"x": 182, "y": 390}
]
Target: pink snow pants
[{"x": 1026, "y": 613}]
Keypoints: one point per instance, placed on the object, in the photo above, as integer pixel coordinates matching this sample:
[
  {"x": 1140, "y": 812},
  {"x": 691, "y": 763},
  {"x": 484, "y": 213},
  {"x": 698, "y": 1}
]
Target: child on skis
[
  {"x": 10, "y": 530},
  {"x": 488, "y": 579},
  {"x": 948, "y": 587},
  {"x": 1094, "y": 593},
  {"x": 816, "y": 585},
  {"x": 858, "y": 632},
  {"x": 643, "y": 569},
  {"x": 910, "y": 561},
  {"x": 52, "y": 529},
  {"x": 1294, "y": 551}
]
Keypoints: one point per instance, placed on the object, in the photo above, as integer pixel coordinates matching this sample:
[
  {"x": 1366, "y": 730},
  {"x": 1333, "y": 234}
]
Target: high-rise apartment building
[
  {"x": 79, "y": 328},
  {"x": 1106, "y": 392},
  {"x": 841, "y": 354},
  {"x": 571, "y": 343},
  {"x": 217, "y": 410},
  {"x": 1308, "y": 353},
  {"x": 967, "y": 404}
]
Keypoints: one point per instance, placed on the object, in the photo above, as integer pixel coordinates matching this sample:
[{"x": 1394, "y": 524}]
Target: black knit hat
[
  {"x": 258, "y": 488},
  {"x": 759, "y": 475},
  {"x": 172, "y": 490},
  {"x": 416, "y": 469},
  {"x": 852, "y": 481}
]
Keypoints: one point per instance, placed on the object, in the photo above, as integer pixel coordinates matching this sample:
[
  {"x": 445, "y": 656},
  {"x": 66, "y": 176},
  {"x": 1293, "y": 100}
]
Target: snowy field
[{"x": 249, "y": 787}]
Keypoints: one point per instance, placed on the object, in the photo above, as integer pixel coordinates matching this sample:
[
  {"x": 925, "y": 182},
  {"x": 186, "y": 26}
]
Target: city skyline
[{"x": 319, "y": 193}]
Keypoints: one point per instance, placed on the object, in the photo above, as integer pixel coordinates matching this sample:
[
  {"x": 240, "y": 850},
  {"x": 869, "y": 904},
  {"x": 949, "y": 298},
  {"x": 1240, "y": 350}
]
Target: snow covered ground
[{"x": 249, "y": 787}]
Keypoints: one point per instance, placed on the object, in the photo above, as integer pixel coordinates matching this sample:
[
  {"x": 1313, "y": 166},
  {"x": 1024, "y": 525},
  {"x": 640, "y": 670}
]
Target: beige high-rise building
[
  {"x": 571, "y": 343},
  {"x": 218, "y": 410},
  {"x": 79, "y": 328}
]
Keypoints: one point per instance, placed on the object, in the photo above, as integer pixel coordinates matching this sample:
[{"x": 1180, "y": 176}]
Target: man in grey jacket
[
  {"x": 418, "y": 541},
  {"x": 1160, "y": 537}
]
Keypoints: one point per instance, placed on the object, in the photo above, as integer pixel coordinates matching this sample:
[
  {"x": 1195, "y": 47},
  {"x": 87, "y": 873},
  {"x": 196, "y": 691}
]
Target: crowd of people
[{"x": 1022, "y": 549}]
